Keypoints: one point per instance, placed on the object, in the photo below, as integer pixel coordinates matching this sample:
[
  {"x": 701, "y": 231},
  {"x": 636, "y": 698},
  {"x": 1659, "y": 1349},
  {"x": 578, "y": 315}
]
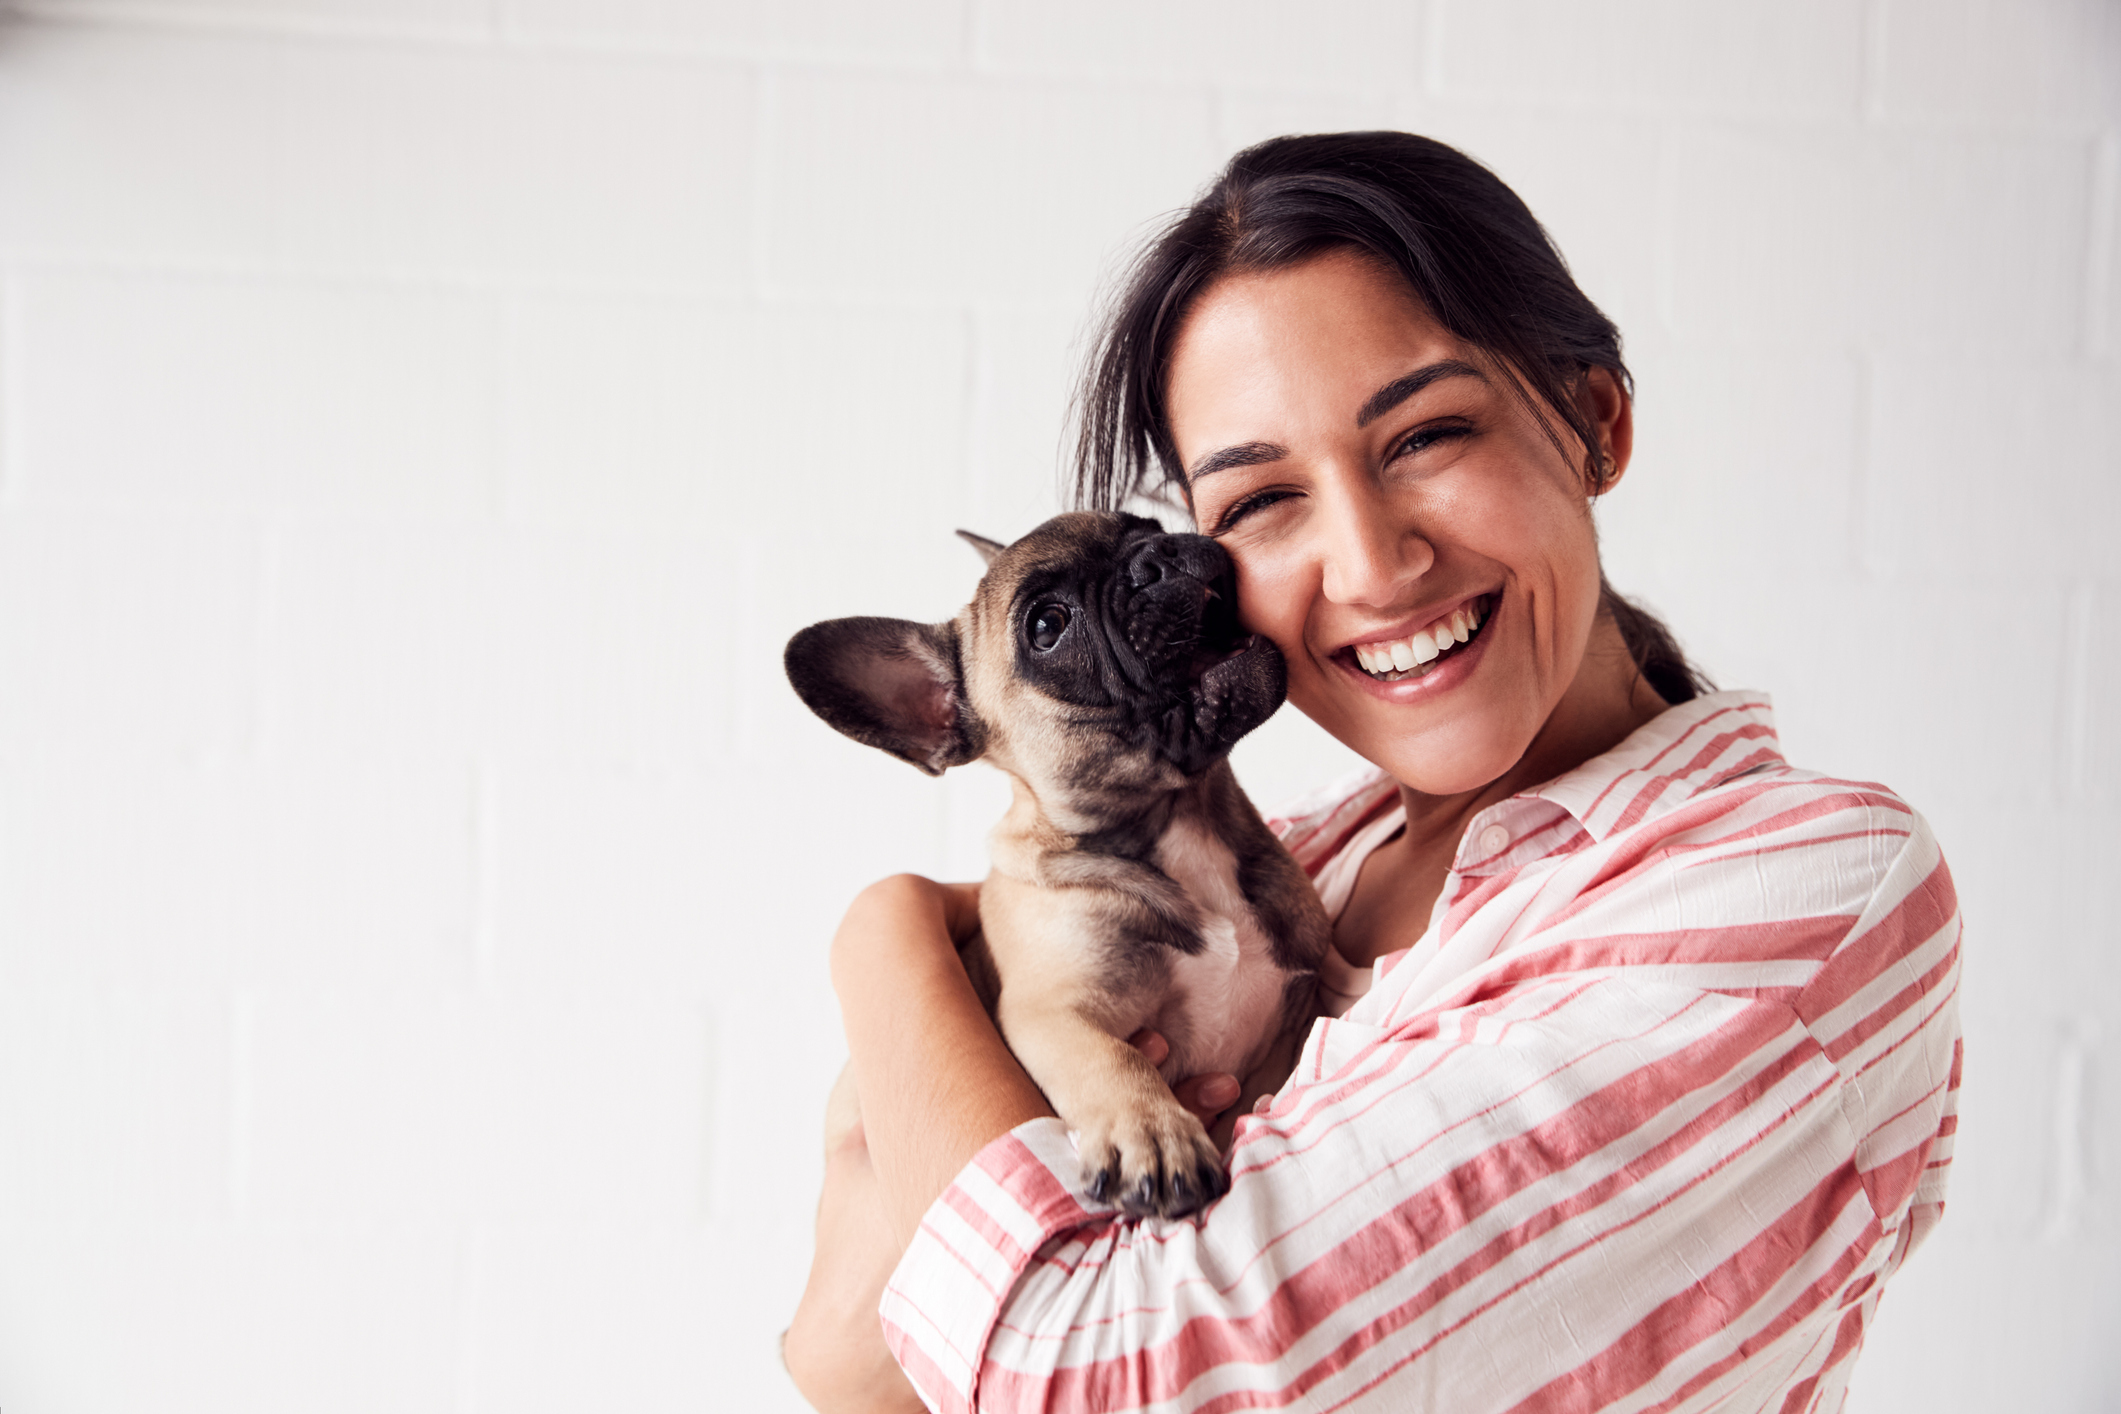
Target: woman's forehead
[{"x": 1304, "y": 339}]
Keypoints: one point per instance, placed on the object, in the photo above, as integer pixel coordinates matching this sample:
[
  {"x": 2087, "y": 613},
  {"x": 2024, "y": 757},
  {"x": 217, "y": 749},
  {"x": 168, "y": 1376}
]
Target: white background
[{"x": 423, "y": 421}]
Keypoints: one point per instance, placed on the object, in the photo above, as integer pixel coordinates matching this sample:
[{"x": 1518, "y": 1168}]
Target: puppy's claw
[{"x": 1156, "y": 1165}]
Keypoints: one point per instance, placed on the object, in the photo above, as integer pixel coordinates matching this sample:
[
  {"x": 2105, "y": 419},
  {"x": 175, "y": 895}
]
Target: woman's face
[{"x": 1376, "y": 481}]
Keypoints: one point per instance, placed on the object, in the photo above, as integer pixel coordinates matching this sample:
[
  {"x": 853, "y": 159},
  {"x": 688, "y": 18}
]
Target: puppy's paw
[{"x": 1157, "y": 1161}]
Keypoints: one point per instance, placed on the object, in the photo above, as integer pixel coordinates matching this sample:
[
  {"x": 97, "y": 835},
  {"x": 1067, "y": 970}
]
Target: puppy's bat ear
[
  {"x": 988, "y": 549},
  {"x": 888, "y": 683}
]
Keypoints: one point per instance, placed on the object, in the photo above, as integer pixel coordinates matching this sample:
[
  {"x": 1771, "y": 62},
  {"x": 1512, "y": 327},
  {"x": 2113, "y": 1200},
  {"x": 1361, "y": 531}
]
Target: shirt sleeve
[{"x": 1586, "y": 1181}]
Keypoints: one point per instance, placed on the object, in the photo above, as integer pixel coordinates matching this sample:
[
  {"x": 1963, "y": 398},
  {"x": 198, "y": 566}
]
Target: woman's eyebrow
[
  {"x": 1392, "y": 394},
  {"x": 1243, "y": 454}
]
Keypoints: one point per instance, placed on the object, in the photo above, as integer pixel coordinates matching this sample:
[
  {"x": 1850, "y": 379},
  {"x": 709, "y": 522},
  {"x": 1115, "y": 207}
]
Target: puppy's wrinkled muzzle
[
  {"x": 1161, "y": 557},
  {"x": 1178, "y": 608},
  {"x": 1203, "y": 682}
]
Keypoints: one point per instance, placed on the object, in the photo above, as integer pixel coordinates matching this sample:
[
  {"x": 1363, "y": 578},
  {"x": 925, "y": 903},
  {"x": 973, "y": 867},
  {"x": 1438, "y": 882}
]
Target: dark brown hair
[{"x": 1462, "y": 240}]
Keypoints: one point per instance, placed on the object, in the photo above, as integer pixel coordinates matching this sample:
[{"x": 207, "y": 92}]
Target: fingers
[
  {"x": 1208, "y": 1095},
  {"x": 1154, "y": 1048},
  {"x": 960, "y": 911},
  {"x": 1205, "y": 1095},
  {"x": 843, "y": 1114}
]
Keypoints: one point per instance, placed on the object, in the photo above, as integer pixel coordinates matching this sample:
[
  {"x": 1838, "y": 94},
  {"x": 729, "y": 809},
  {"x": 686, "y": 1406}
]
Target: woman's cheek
[{"x": 1270, "y": 601}]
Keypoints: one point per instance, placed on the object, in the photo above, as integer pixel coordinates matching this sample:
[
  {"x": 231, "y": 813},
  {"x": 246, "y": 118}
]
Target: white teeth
[{"x": 1417, "y": 650}]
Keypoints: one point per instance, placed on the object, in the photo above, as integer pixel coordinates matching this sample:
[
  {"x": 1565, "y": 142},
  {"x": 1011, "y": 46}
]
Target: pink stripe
[
  {"x": 1649, "y": 767},
  {"x": 983, "y": 1226},
  {"x": 1696, "y": 1315},
  {"x": 927, "y": 1376},
  {"x": 1605, "y": 1191},
  {"x": 1429, "y": 1216},
  {"x": 1889, "y": 1010},
  {"x": 1707, "y": 756},
  {"x": 1847, "y": 1337},
  {"x": 1778, "y": 940},
  {"x": 1918, "y": 917},
  {"x": 1037, "y": 1189},
  {"x": 1621, "y": 862}
]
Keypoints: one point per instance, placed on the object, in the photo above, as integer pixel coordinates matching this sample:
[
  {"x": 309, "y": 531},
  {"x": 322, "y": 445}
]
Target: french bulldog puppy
[{"x": 1101, "y": 666}]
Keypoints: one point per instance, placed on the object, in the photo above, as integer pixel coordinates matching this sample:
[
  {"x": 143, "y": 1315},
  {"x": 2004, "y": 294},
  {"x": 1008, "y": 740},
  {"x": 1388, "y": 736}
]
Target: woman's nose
[{"x": 1371, "y": 552}]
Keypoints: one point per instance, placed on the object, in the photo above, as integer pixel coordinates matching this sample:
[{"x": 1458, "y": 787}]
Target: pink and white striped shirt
[{"x": 1643, "y": 1122}]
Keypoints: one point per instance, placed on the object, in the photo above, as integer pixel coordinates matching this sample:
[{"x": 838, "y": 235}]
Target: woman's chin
[
  {"x": 1445, "y": 747},
  {"x": 1422, "y": 775}
]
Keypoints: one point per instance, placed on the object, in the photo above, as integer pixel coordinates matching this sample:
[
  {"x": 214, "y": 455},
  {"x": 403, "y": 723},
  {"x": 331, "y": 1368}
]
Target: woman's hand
[{"x": 1207, "y": 1096}]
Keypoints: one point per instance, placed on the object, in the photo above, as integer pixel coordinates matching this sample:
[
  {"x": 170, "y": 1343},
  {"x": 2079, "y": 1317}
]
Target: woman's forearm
[
  {"x": 834, "y": 1348},
  {"x": 936, "y": 1082}
]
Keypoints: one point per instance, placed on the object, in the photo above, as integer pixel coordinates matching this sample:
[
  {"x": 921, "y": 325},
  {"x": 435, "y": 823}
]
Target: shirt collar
[{"x": 1671, "y": 758}]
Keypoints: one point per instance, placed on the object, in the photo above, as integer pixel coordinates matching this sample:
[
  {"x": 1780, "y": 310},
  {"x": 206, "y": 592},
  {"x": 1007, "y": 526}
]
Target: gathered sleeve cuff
[{"x": 974, "y": 1245}]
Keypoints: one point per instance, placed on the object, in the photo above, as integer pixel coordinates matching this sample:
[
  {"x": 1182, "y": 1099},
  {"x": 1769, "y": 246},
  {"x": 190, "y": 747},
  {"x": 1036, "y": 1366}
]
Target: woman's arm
[
  {"x": 936, "y": 1082},
  {"x": 834, "y": 1348},
  {"x": 944, "y": 1086}
]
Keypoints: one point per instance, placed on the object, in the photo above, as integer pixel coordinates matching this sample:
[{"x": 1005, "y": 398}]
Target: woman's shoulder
[{"x": 1715, "y": 765}]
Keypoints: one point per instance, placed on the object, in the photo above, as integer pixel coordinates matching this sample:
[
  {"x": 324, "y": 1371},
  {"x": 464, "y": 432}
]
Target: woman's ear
[{"x": 1611, "y": 413}]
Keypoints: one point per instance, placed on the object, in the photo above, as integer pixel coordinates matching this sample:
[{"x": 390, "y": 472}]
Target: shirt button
[{"x": 1494, "y": 840}]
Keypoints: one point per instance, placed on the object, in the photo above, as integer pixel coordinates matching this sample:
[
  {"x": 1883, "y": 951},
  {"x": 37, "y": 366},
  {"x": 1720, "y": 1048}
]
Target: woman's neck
[{"x": 1399, "y": 883}]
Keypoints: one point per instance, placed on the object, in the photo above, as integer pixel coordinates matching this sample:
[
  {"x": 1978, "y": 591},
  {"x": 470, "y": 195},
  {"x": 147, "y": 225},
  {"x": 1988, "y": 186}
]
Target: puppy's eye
[{"x": 1048, "y": 623}]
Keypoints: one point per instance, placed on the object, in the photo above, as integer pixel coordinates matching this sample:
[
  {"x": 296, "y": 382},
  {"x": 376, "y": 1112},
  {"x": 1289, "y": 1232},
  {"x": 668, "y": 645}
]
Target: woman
[{"x": 1646, "y": 1074}]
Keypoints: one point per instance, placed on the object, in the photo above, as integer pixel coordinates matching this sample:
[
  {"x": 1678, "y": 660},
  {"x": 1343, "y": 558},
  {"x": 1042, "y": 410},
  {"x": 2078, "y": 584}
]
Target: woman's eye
[
  {"x": 1048, "y": 623},
  {"x": 1423, "y": 438},
  {"x": 1237, "y": 510}
]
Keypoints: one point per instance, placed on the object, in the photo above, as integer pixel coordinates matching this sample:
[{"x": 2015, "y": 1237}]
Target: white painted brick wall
[{"x": 422, "y": 422}]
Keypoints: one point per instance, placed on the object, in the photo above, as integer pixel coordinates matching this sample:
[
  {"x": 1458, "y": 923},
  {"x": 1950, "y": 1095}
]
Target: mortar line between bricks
[
  {"x": 469, "y": 1243},
  {"x": 766, "y": 101},
  {"x": 1870, "y": 59},
  {"x": 263, "y": 616},
  {"x": 356, "y": 281},
  {"x": 972, "y": 478},
  {"x": 485, "y": 882},
  {"x": 356, "y": 278},
  {"x": 494, "y": 36},
  {"x": 11, "y": 401},
  {"x": 2073, "y": 764},
  {"x": 264, "y": 581},
  {"x": 2099, "y": 249},
  {"x": 1663, "y": 219},
  {"x": 2070, "y": 1123},
  {"x": 90, "y": 15},
  {"x": 1869, "y": 545},
  {"x": 1430, "y": 26},
  {"x": 242, "y": 1100}
]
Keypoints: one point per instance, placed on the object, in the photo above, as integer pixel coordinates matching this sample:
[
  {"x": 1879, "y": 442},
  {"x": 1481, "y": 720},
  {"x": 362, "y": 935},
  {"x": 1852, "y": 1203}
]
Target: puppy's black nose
[{"x": 1163, "y": 556}]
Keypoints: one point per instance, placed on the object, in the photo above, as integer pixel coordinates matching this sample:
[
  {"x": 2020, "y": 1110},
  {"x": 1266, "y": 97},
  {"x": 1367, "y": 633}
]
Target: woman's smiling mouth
[{"x": 1423, "y": 651}]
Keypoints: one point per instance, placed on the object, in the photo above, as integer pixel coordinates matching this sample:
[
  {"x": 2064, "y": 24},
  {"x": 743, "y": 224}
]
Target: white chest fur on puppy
[
  {"x": 1101, "y": 665},
  {"x": 1227, "y": 995}
]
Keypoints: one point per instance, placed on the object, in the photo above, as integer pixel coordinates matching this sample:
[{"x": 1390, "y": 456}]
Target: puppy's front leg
[{"x": 1140, "y": 1148}]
